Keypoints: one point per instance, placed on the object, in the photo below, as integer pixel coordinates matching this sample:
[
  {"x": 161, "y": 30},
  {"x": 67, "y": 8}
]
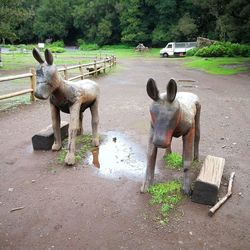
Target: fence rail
[{"x": 88, "y": 69}]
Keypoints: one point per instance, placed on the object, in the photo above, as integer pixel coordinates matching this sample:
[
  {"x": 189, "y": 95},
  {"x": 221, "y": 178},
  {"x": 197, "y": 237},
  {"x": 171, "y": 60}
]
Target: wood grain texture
[{"x": 207, "y": 184}]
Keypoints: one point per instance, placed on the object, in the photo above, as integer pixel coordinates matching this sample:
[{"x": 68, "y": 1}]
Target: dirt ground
[{"x": 76, "y": 208}]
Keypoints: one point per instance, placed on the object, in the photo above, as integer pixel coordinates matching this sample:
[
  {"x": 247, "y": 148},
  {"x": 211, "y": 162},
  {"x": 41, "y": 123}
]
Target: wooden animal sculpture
[
  {"x": 69, "y": 97},
  {"x": 172, "y": 115}
]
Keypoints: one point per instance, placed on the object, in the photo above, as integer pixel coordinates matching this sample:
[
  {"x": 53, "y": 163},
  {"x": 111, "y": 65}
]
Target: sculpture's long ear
[
  {"x": 37, "y": 55},
  {"x": 48, "y": 57},
  {"x": 171, "y": 90},
  {"x": 152, "y": 89}
]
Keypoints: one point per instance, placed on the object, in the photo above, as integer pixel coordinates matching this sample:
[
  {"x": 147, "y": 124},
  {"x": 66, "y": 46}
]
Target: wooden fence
[{"x": 91, "y": 69}]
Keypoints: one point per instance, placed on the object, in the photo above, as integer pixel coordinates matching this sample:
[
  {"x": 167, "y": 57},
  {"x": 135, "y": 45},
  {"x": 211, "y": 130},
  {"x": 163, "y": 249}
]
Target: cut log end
[{"x": 207, "y": 184}]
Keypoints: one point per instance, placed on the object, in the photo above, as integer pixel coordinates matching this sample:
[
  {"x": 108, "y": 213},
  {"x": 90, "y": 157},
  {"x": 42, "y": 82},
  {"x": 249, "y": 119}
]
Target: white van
[{"x": 177, "y": 49}]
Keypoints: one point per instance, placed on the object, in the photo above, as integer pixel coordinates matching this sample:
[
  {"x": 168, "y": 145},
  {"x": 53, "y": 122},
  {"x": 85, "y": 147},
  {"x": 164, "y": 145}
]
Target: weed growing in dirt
[
  {"x": 173, "y": 161},
  {"x": 168, "y": 195},
  {"x": 83, "y": 145}
]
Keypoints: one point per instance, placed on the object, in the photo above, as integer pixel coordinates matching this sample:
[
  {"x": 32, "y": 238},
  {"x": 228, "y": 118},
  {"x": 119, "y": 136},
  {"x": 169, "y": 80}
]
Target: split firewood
[{"x": 223, "y": 200}]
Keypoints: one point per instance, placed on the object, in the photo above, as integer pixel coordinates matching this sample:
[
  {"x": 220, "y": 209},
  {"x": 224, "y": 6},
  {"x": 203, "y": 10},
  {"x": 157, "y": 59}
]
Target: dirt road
[{"x": 77, "y": 208}]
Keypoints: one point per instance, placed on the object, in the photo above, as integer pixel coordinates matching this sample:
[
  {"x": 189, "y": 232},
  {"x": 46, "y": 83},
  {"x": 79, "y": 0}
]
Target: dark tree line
[{"x": 152, "y": 22}]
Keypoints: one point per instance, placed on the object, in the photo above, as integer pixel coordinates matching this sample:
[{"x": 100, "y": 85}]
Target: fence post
[
  {"x": 65, "y": 72},
  {"x": 32, "y": 84},
  {"x": 104, "y": 64},
  {"x": 95, "y": 68},
  {"x": 81, "y": 71}
]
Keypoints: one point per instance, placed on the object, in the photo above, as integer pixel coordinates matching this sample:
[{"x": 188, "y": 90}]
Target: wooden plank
[
  {"x": 207, "y": 184},
  {"x": 15, "y": 77},
  {"x": 75, "y": 77},
  {"x": 22, "y": 92}
]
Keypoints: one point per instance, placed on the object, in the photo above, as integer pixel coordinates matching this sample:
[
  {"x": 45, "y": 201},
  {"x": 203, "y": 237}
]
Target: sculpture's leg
[
  {"x": 95, "y": 122},
  {"x": 80, "y": 129},
  {"x": 151, "y": 158},
  {"x": 56, "y": 122},
  {"x": 187, "y": 158},
  {"x": 168, "y": 151},
  {"x": 197, "y": 132},
  {"x": 73, "y": 126}
]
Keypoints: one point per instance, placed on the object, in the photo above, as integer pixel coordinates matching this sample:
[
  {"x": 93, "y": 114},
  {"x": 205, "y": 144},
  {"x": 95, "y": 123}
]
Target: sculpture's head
[
  {"x": 46, "y": 75},
  {"x": 164, "y": 112}
]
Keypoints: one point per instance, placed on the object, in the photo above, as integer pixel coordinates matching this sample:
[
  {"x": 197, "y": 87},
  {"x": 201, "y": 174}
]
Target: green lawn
[
  {"x": 24, "y": 61},
  {"x": 219, "y": 65}
]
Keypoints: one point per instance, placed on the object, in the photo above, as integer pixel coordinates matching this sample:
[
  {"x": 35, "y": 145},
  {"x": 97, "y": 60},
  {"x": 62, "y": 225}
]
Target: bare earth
[{"x": 76, "y": 208}]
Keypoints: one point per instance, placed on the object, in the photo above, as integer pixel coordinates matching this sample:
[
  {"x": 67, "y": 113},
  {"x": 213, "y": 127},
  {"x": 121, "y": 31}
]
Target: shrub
[
  {"x": 118, "y": 46},
  {"x": 12, "y": 48},
  {"x": 57, "y": 44},
  {"x": 220, "y": 49},
  {"x": 191, "y": 52},
  {"x": 89, "y": 46},
  {"x": 56, "y": 49}
]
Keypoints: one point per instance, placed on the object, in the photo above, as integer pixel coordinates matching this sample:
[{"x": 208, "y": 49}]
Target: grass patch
[
  {"x": 83, "y": 146},
  {"x": 220, "y": 65},
  {"x": 168, "y": 195},
  {"x": 14, "y": 102},
  {"x": 173, "y": 161},
  {"x": 24, "y": 61}
]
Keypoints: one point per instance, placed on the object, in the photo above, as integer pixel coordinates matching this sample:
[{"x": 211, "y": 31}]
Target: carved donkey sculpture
[
  {"x": 69, "y": 97},
  {"x": 172, "y": 115}
]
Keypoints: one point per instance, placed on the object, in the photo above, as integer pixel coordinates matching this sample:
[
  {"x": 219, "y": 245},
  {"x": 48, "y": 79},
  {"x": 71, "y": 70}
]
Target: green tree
[
  {"x": 53, "y": 19},
  {"x": 12, "y": 14},
  {"x": 98, "y": 20},
  {"x": 236, "y": 21}
]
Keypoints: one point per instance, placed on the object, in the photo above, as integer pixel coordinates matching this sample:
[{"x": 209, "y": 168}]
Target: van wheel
[{"x": 165, "y": 55}]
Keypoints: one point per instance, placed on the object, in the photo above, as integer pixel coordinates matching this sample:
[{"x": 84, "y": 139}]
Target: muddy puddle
[{"x": 118, "y": 156}]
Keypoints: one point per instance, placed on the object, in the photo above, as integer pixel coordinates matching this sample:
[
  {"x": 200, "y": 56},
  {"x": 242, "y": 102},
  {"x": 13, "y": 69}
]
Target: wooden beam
[
  {"x": 22, "y": 92},
  {"x": 15, "y": 77}
]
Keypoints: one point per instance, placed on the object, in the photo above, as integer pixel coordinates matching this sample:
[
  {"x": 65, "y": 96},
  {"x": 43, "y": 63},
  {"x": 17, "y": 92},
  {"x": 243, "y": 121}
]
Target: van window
[{"x": 169, "y": 46}]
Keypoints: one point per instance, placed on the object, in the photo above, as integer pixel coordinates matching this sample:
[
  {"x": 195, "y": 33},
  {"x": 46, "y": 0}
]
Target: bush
[
  {"x": 57, "y": 49},
  {"x": 89, "y": 46},
  {"x": 118, "y": 46},
  {"x": 12, "y": 48},
  {"x": 191, "y": 52},
  {"x": 220, "y": 49},
  {"x": 59, "y": 44}
]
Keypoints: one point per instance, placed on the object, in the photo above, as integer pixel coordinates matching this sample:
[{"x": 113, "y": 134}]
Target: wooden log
[
  {"x": 207, "y": 184},
  {"x": 44, "y": 139}
]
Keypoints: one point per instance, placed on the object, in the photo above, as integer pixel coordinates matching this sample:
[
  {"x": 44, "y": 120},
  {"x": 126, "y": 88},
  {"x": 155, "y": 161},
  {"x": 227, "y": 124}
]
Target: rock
[{"x": 11, "y": 189}]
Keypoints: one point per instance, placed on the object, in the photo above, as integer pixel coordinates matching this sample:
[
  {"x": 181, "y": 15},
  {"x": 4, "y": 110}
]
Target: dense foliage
[
  {"x": 220, "y": 49},
  {"x": 103, "y": 22}
]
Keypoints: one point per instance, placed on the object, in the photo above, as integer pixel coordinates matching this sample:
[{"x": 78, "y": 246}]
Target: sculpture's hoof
[
  {"x": 70, "y": 159},
  {"x": 95, "y": 142},
  {"x": 144, "y": 188},
  {"x": 186, "y": 191},
  {"x": 79, "y": 131},
  {"x": 56, "y": 147}
]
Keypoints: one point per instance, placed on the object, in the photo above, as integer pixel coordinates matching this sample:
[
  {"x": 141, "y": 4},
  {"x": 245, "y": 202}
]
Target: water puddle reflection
[{"x": 118, "y": 157}]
